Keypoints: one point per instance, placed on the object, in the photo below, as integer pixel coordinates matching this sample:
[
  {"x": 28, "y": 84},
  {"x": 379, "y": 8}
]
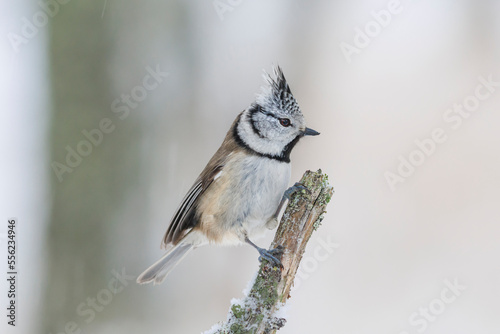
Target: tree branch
[{"x": 256, "y": 313}]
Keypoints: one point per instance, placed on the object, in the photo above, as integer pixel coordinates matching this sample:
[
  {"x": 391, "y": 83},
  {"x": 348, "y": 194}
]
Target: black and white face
[
  {"x": 273, "y": 133},
  {"x": 274, "y": 123},
  {"x": 278, "y": 125}
]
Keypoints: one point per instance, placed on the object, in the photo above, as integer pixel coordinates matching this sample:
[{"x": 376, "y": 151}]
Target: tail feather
[{"x": 161, "y": 268}]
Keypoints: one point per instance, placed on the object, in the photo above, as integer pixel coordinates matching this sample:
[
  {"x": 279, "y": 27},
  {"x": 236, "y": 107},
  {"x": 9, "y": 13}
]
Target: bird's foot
[
  {"x": 273, "y": 221},
  {"x": 271, "y": 255},
  {"x": 295, "y": 188}
]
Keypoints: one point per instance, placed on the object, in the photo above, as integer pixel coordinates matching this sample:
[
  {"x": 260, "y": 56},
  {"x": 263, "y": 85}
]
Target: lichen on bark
[{"x": 256, "y": 312}]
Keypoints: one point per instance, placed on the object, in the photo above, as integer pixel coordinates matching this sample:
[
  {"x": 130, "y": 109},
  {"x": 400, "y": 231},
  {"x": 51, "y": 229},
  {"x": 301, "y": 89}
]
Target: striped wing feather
[{"x": 186, "y": 217}]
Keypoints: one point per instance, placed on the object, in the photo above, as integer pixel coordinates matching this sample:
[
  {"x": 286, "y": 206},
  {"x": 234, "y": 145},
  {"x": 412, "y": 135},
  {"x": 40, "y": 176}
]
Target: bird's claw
[
  {"x": 270, "y": 255},
  {"x": 295, "y": 188}
]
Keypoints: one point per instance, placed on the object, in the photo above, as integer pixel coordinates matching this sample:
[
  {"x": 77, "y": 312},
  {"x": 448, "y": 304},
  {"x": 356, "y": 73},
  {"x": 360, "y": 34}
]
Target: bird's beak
[{"x": 310, "y": 132}]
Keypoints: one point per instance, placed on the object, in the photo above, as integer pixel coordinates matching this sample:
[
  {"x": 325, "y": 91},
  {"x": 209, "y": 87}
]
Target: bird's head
[{"x": 274, "y": 123}]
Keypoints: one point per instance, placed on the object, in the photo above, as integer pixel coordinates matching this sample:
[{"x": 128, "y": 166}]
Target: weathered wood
[{"x": 256, "y": 313}]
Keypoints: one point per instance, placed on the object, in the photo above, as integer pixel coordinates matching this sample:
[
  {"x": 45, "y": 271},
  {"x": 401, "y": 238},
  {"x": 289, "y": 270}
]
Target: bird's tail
[{"x": 161, "y": 268}]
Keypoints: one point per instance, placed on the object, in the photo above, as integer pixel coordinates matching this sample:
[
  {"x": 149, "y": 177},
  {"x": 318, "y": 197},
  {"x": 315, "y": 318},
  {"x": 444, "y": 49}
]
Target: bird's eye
[{"x": 285, "y": 122}]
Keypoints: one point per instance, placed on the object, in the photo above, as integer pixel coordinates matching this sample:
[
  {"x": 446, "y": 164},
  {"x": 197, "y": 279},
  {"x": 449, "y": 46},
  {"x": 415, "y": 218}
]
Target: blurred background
[{"x": 112, "y": 108}]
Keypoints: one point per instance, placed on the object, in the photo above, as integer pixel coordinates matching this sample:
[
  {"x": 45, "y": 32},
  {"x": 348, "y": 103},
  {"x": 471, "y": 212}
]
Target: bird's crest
[{"x": 277, "y": 94}]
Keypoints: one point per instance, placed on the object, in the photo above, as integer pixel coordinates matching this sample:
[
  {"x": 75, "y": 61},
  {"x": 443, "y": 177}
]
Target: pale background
[{"x": 394, "y": 249}]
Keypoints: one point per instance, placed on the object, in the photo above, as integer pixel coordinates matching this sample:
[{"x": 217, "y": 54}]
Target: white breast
[{"x": 257, "y": 187}]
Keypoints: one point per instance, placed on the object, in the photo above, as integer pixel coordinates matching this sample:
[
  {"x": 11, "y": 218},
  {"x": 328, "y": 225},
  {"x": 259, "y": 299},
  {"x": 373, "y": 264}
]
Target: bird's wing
[{"x": 186, "y": 217}]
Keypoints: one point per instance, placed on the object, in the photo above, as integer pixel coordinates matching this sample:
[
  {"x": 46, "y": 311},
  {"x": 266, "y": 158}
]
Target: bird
[{"x": 244, "y": 186}]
